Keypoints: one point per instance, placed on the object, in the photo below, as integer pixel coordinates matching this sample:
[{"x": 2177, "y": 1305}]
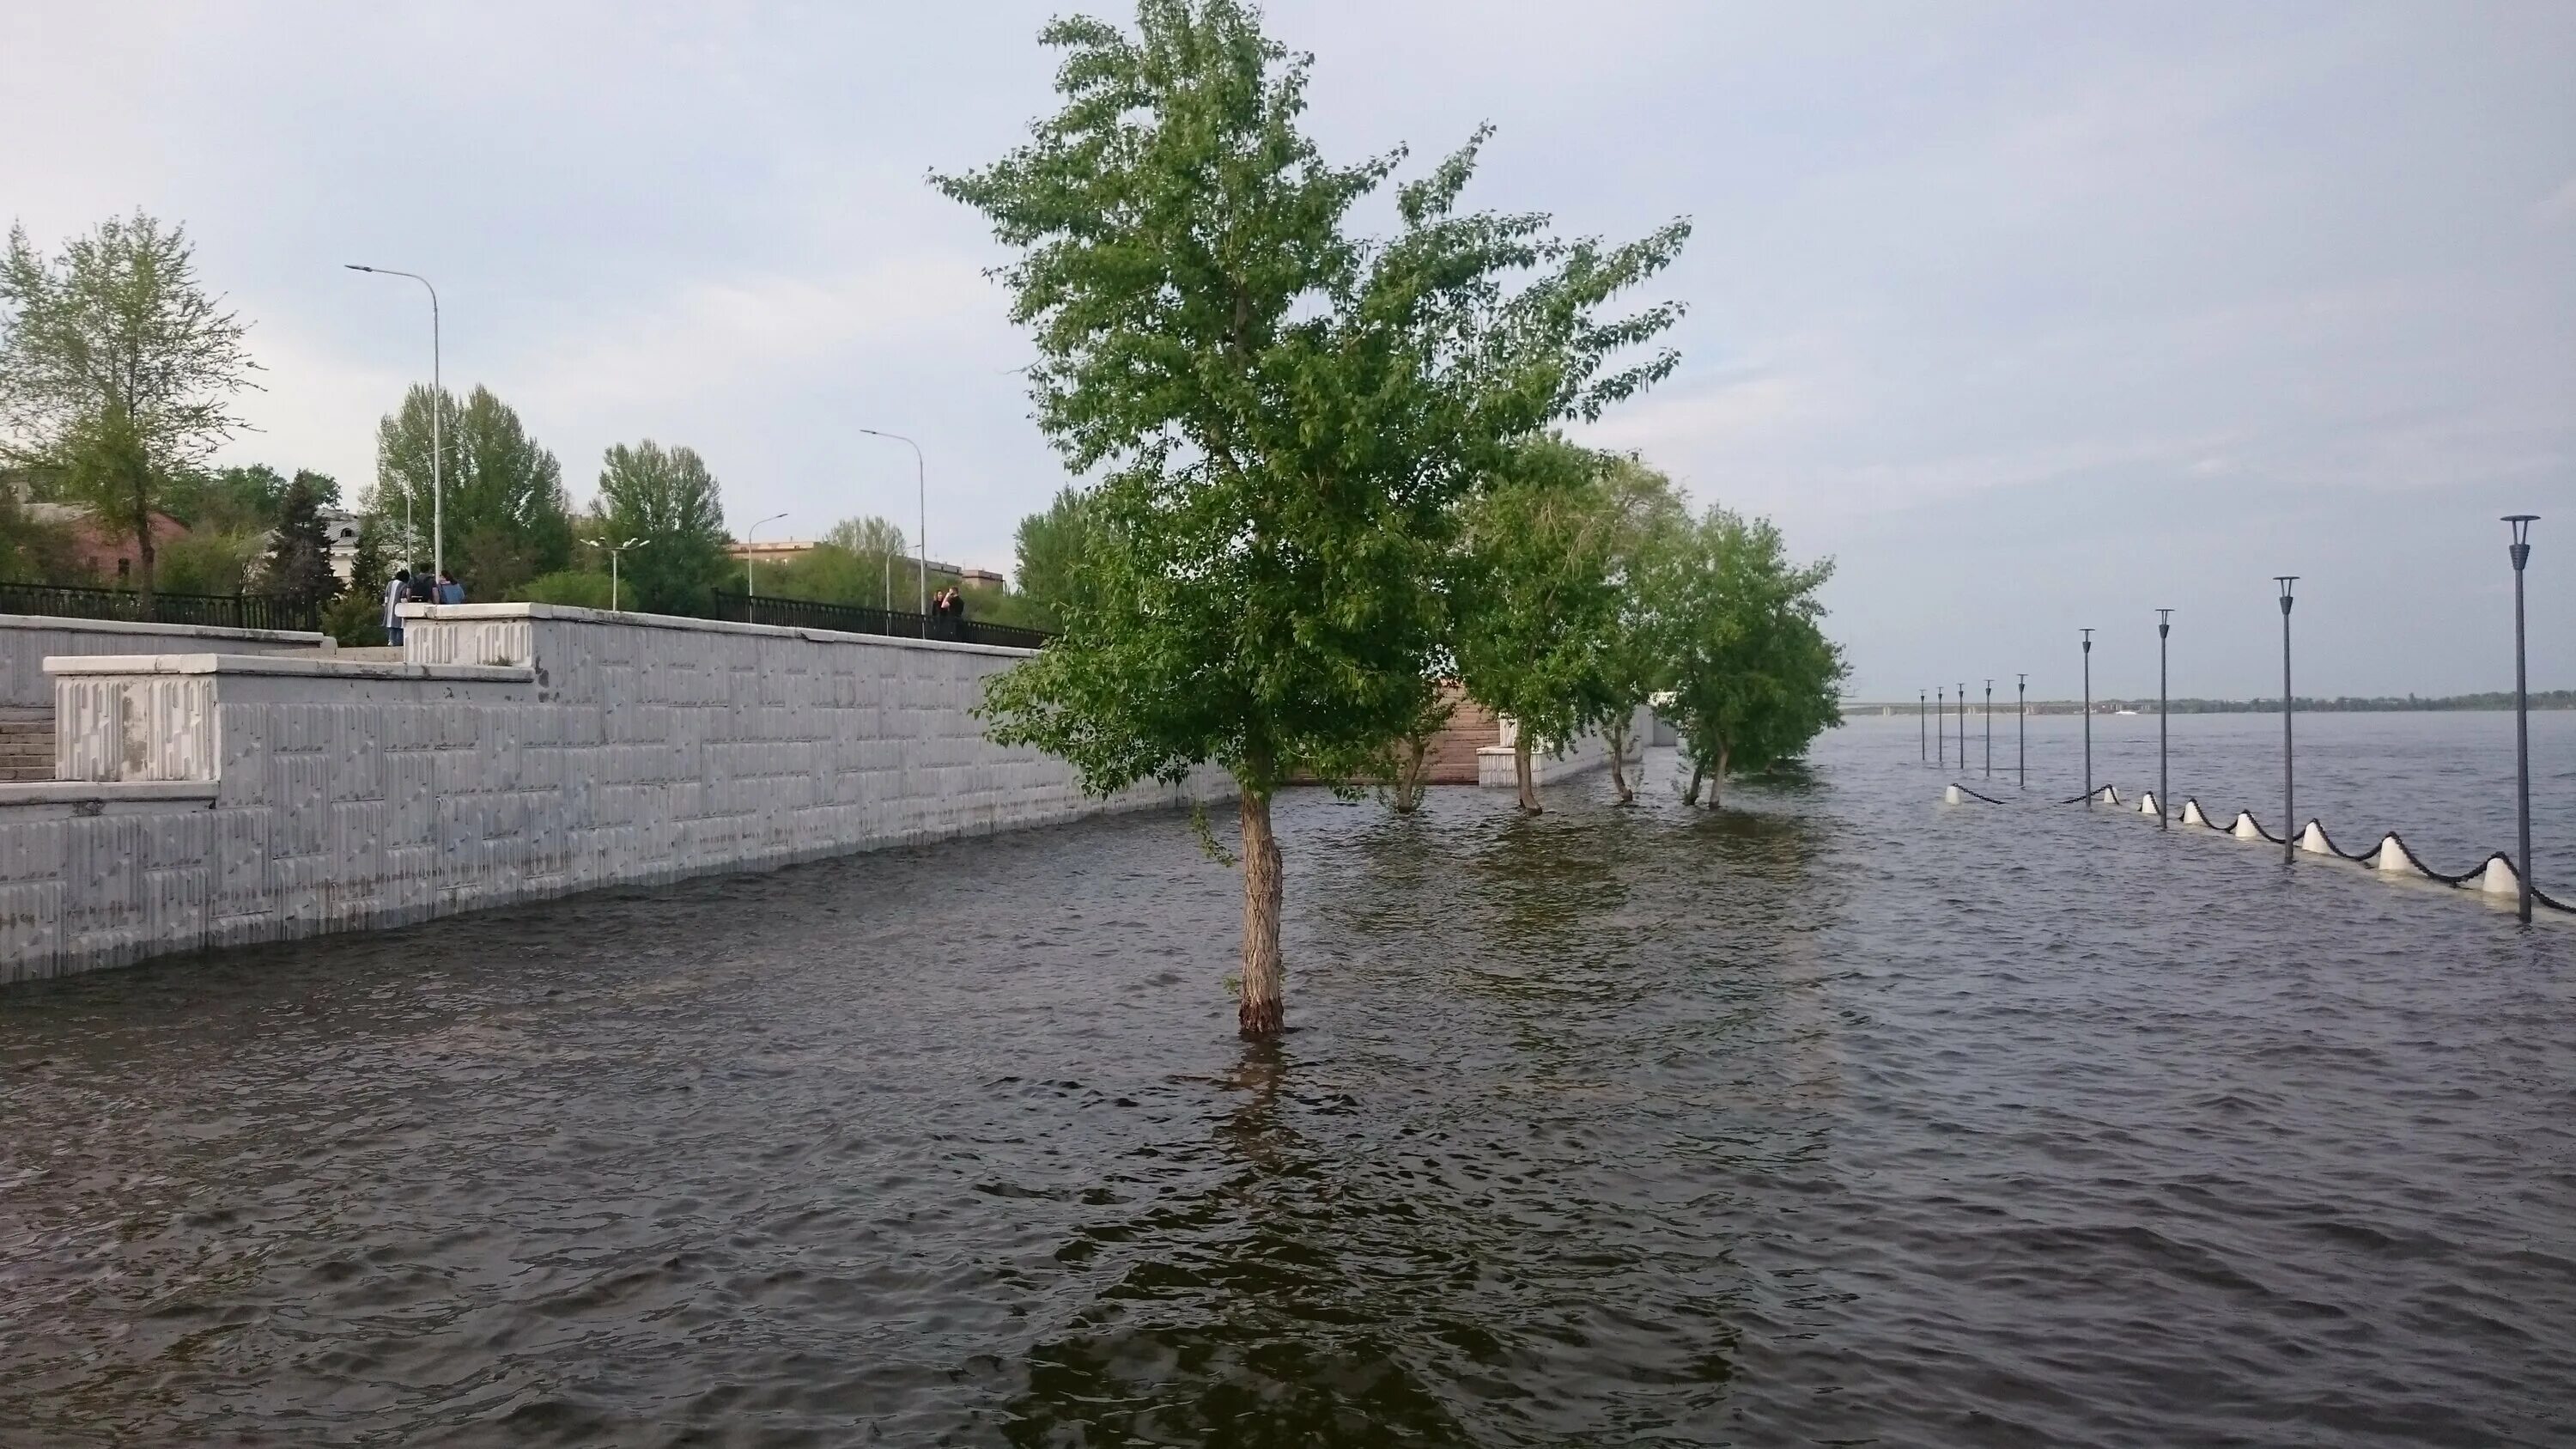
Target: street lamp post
[
  {"x": 614, "y": 550},
  {"x": 921, "y": 486},
  {"x": 1941, "y": 741},
  {"x": 2088, "y": 716},
  {"x": 1922, "y": 725},
  {"x": 2520, "y": 553},
  {"x": 2021, "y": 707},
  {"x": 2289, "y": 800},
  {"x": 1990, "y": 729},
  {"x": 2164, "y": 773},
  {"x": 1963, "y": 726},
  {"x": 437, "y": 405},
  {"x": 750, "y": 589}
]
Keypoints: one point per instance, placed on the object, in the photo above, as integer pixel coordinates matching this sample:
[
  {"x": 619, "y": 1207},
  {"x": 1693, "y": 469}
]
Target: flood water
[{"x": 1839, "y": 1117}]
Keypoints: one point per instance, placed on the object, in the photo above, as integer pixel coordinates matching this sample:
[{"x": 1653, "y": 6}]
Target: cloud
[{"x": 721, "y": 332}]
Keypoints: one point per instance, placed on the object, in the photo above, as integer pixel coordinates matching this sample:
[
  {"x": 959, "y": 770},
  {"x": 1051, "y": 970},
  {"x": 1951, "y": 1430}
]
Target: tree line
[
  {"x": 119, "y": 372},
  {"x": 1331, "y": 466}
]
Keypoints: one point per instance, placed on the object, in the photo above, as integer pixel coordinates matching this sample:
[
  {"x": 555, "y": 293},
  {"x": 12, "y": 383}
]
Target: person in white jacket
[{"x": 396, "y": 592}]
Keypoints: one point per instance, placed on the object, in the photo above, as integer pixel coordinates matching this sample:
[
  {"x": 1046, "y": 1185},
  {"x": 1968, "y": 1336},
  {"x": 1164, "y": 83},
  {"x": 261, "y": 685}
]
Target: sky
[{"x": 2032, "y": 316}]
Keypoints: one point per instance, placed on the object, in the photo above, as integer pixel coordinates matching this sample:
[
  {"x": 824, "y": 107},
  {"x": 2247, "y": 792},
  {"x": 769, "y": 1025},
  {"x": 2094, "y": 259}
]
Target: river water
[{"x": 1839, "y": 1117}]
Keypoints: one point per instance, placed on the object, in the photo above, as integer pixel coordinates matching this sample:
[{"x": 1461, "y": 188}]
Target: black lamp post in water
[
  {"x": 2521, "y": 555},
  {"x": 1990, "y": 729},
  {"x": 2088, "y": 716},
  {"x": 1963, "y": 726},
  {"x": 2021, "y": 707},
  {"x": 1941, "y": 741},
  {"x": 1923, "y": 724},
  {"x": 2164, "y": 774},
  {"x": 2289, "y": 801}
]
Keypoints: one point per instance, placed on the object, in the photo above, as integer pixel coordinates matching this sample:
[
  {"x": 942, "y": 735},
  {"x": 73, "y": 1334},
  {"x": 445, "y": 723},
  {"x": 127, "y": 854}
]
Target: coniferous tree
[{"x": 299, "y": 554}]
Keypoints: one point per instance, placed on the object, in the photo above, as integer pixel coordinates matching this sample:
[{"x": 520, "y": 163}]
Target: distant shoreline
[{"x": 2552, "y": 699}]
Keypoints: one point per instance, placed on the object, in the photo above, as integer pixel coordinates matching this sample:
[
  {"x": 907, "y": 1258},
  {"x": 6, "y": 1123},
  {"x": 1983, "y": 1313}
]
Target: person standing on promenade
[
  {"x": 449, "y": 590},
  {"x": 397, "y": 593}
]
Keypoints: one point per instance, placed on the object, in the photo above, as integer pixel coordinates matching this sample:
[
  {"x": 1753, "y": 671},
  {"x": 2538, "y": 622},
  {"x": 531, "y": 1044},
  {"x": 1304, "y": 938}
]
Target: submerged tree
[
  {"x": 116, "y": 369},
  {"x": 1538, "y": 599},
  {"x": 1634, "y": 660},
  {"x": 1754, "y": 678},
  {"x": 1283, "y": 416}
]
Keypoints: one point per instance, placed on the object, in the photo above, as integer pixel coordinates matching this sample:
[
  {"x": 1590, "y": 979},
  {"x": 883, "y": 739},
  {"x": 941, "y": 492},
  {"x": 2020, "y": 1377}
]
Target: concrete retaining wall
[
  {"x": 1592, "y": 752},
  {"x": 520, "y": 751},
  {"x": 28, "y": 640}
]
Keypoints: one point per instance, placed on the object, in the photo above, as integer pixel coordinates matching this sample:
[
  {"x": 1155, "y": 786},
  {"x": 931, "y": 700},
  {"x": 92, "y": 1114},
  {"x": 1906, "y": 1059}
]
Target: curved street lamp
[
  {"x": 750, "y": 589},
  {"x": 614, "y": 550},
  {"x": 921, "y": 485},
  {"x": 437, "y": 405},
  {"x": 2289, "y": 802}
]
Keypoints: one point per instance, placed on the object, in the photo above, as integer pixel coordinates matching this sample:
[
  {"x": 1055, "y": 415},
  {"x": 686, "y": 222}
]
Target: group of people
[
  {"x": 407, "y": 587},
  {"x": 948, "y": 614}
]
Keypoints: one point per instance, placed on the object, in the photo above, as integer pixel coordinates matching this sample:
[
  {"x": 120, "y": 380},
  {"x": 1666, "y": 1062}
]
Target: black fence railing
[
  {"x": 860, "y": 619},
  {"x": 227, "y": 611}
]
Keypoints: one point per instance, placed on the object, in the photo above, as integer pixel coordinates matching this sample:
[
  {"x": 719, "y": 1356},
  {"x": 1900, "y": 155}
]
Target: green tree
[
  {"x": 369, "y": 570},
  {"x": 299, "y": 552},
  {"x": 507, "y": 518},
  {"x": 212, "y": 561},
  {"x": 1538, "y": 599},
  {"x": 1754, "y": 678},
  {"x": 117, "y": 368},
  {"x": 1283, "y": 415},
  {"x": 231, "y": 500},
  {"x": 1050, "y": 572},
  {"x": 35, "y": 550},
  {"x": 671, "y": 505},
  {"x": 1633, "y": 662}
]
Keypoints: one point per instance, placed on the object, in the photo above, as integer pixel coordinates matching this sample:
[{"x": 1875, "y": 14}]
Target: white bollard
[
  {"x": 2392, "y": 856},
  {"x": 2500, "y": 879},
  {"x": 2313, "y": 840},
  {"x": 2245, "y": 828},
  {"x": 2147, "y": 803},
  {"x": 1950, "y": 796}
]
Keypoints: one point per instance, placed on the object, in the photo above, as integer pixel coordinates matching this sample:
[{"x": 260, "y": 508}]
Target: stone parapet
[{"x": 519, "y": 752}]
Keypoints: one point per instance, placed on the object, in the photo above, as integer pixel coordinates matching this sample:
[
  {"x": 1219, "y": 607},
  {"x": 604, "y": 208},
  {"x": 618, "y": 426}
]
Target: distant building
[
  {"x": 111, "y": 554},
  {"x": 342, "y": 527},
  {"x": 785, "y": 549}
]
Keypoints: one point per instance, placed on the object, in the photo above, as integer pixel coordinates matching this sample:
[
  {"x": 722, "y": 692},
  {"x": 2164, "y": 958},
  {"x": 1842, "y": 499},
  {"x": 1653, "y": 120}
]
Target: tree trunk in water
[
  {"x": 1260, "y": 1014},
  {"x": 1691, "y": 795},
  {"x": 1618, "y": 733},
  {"x": 1412, "y": 758},
  {"x": 1717, "y": 781},
  {"x": 1521, "y": 772}
]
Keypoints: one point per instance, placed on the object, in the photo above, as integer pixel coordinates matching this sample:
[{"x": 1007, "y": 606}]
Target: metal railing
[
  {"x": 222, "y": 611},
  {"x": 860, "y": 619}
]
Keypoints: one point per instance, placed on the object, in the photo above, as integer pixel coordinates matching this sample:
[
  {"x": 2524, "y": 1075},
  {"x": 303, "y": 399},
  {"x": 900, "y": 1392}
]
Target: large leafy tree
[
  {"x": 1051, "y": 548},
  {"x": 1283, "y": 416},
  {"x": 116, "y": 368},
  {"x": 1538, "y": 598},
  {"x": 507, "y": 517},
  {"x": 666, "y": 501},
  {"x": 1754, "y": 677},
  {"x": 1648, "y": 522}
]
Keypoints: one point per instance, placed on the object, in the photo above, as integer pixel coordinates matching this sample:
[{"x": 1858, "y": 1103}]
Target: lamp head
[
  {"x": 2520, "y": 523},
  {"x": 2164, "y": 623},
  {"x": 353, "y": 266}
]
